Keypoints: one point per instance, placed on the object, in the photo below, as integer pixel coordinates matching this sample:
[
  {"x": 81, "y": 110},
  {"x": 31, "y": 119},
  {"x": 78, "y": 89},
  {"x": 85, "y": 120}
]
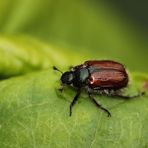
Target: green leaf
[{"x": 34, "y": 114}]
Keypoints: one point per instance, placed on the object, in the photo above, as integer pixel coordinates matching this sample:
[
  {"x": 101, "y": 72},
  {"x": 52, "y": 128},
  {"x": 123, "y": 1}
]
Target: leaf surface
[{"x": 35, "y": 114}]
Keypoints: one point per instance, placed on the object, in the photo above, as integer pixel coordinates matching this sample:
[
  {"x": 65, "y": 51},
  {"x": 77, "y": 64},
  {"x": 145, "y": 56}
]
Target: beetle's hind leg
[
  {"x": 117, "y": 93},
  {"x": 99, "y": 105}
]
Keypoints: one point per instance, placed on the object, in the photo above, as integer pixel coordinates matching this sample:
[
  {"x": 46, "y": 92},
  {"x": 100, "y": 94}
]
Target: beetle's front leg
[
  {"x": 74, "y": 100},
  {"x": 99, "y": 105}
]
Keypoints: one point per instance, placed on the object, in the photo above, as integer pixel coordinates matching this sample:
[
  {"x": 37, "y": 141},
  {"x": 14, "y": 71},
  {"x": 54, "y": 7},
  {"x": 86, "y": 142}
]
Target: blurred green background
[
  {"x": 37, "y": 34},
  {"x": 104, "y": 29}
]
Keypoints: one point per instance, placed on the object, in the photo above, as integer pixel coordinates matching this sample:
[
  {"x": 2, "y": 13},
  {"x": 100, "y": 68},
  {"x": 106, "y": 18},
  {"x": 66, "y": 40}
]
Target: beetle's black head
[{"x": 67, "y": 78}]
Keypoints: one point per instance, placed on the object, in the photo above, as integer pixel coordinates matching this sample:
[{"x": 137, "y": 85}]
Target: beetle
[{"x": 102, "y": 77}]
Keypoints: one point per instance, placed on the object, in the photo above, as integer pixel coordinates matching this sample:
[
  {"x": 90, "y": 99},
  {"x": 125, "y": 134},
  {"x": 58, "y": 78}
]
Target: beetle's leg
[
  {"x": 117, "y": 94},
  {"x": 74, "y": 100},
  {"x": 99, "y": 105}
]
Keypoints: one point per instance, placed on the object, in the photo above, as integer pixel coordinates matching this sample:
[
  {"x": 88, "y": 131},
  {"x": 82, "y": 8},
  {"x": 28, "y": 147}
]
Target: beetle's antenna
[{"x": 55, "y": 68}]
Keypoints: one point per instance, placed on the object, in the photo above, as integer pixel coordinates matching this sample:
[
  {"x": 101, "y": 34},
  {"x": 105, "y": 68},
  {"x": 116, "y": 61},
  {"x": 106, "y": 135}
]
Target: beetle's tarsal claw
[
  {"x": 70, "y": 114},
  {"x": 70, "y": 111},
  {"x": 141, "y": 94},
  {"x": 109, "y": 114}
]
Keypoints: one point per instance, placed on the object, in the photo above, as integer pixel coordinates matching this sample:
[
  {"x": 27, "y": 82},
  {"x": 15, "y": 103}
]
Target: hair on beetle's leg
[
  {"x": 74, "y": 100},
  {"x": 99, "y": 105}
]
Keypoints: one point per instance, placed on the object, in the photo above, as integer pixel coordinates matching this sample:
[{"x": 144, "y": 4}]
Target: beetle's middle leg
[{"x": 99, "y": 105}]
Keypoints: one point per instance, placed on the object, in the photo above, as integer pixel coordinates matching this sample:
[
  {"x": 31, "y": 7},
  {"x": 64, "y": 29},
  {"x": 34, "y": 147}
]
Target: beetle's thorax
[{"x": 81, "y": 76}]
